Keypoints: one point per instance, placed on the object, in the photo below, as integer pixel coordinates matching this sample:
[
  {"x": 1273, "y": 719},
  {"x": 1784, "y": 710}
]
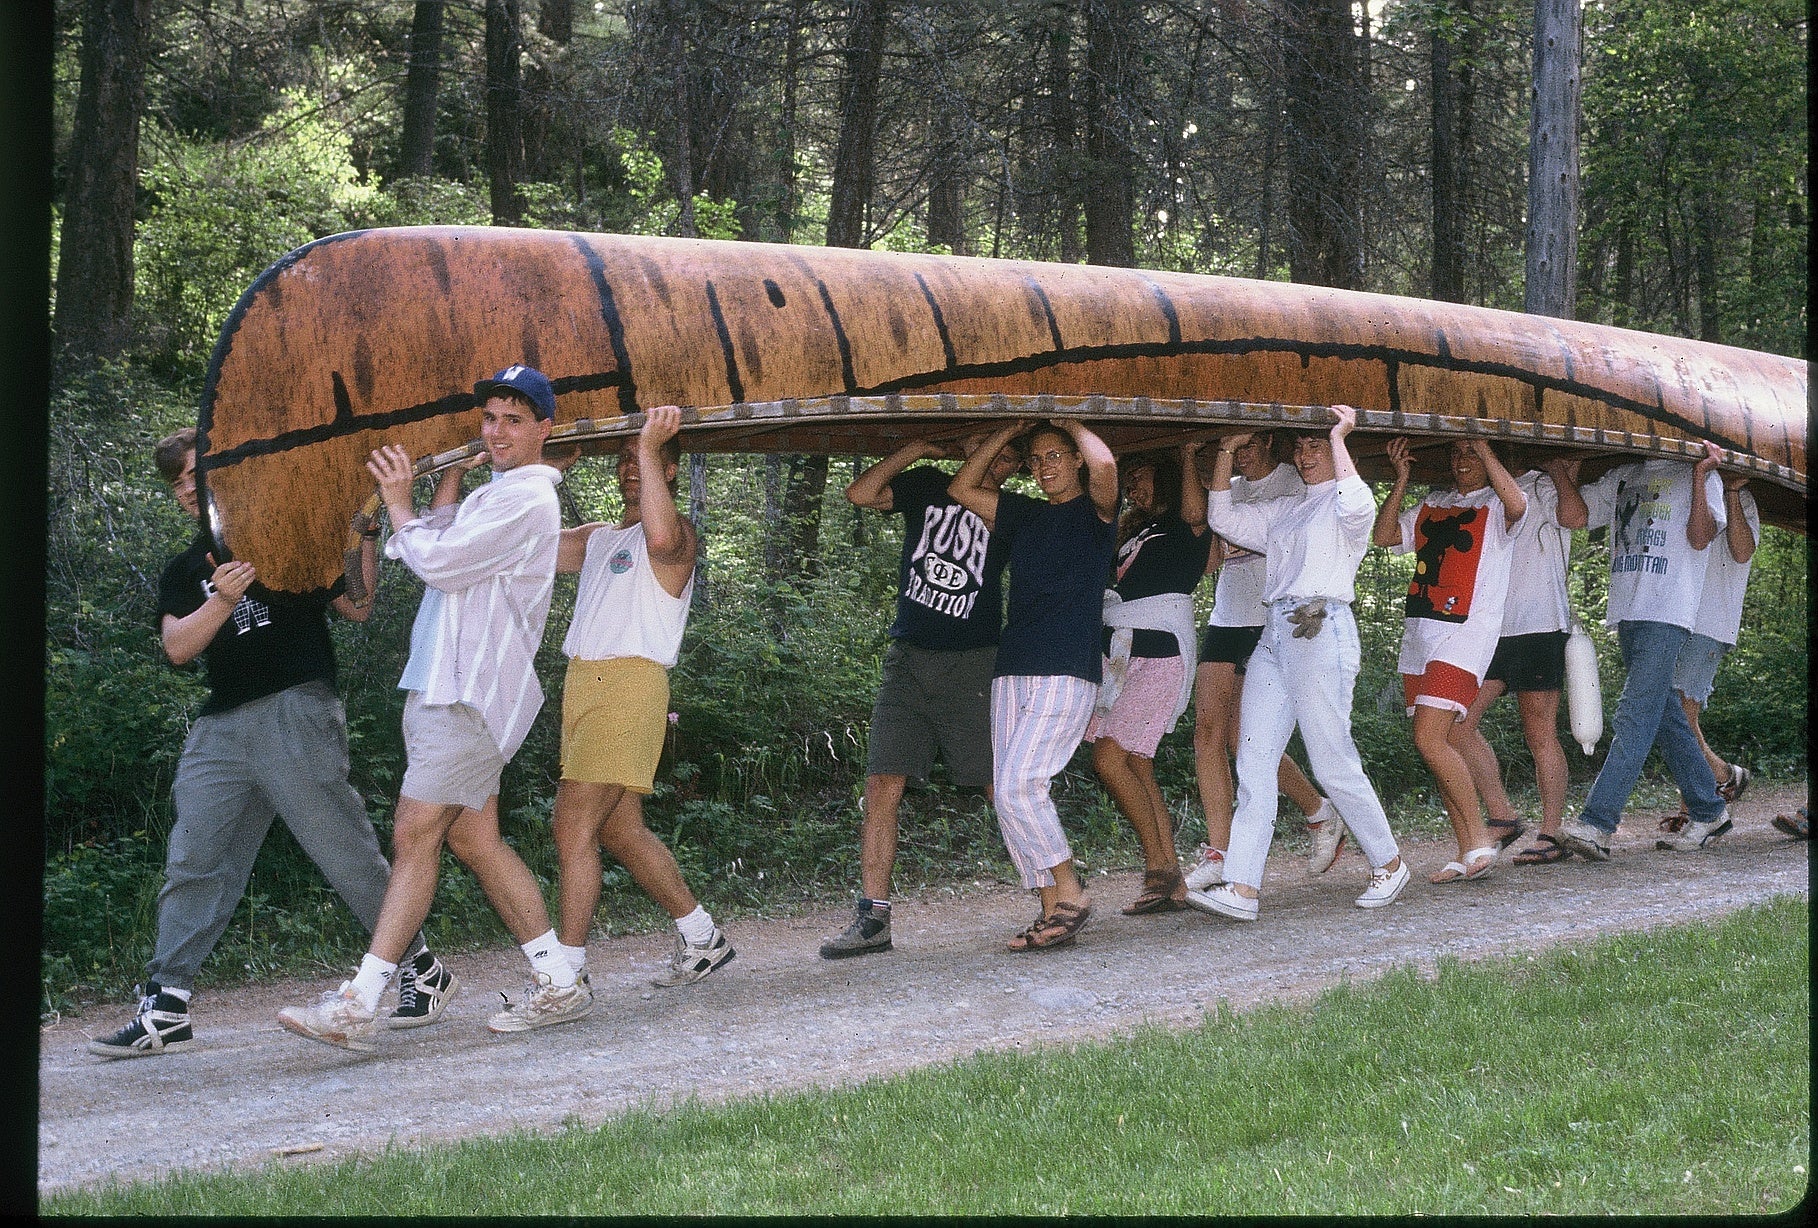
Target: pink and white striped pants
[{"x": 1036, "y": 725}]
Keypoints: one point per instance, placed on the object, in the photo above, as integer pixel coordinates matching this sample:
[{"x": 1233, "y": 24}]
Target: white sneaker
[
  {"x": 1208, "y": 871},
  {"x": 1384, "y": 886},
  {"x": 1225, "y": 902},
  {"x": 542, "y": 1004},
  {"x": 336, "y": 1018},
  {"x": 1695, "y": 836},
  {"x": 690, "y": 963},
  {"x": 1327, "y": 827}
]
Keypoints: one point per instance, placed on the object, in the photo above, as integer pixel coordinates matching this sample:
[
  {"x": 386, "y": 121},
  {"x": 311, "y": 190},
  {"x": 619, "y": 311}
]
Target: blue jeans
[{"x": 1648, "y": 714}]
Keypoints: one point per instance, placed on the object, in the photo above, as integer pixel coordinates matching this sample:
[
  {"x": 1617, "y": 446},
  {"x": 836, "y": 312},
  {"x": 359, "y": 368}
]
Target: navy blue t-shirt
[
  {"x": 1162, "y": 556},
  {"x": 950, "y": 584},
  {"x": 1060, "y": 561},
  {"x": 272, "y": 642}
]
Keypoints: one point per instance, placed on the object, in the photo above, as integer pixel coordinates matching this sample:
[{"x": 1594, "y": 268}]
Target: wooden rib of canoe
[{"x": 378, "y": 336}]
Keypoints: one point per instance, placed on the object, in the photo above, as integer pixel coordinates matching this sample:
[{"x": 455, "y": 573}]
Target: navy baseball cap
[{"x": 527, "y": 382}]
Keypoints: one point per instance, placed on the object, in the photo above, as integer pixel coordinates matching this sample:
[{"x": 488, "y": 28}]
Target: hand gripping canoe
[{"x": 376, "y": 337}]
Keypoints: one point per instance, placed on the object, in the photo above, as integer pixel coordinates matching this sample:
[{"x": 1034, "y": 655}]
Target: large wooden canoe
[{"x": 377, "y": 337}]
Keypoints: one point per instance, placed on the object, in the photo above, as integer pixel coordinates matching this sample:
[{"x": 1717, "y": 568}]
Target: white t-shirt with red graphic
[{"x": 1462, "y": 545}]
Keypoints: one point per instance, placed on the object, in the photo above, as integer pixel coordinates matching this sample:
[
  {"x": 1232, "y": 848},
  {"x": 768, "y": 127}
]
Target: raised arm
[
  {"x": 1514, "y": 499},
  {"x": 1342, "y": 465},
  {"x": 871, "y": 489},
  {"x": 1701, "y": 522},
  {"x": 571, "y": 548},
  {"x": 1101, "y": 466},
  {"x": 1571, "y": 512},
  {"x": 1387, "y": 531},
  {"x": 369, "y": 572},
  {"x": 971, "y": 486},
  {"x": 1739, "y": 534},
  {"x": 1192, "y": 490},
  {"x": 668, "y": 535}
]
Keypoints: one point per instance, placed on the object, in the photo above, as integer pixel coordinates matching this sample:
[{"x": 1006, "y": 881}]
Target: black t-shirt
[
  {"x": 272, "y": 642},
  {"x": 1060, "y": 561},
  {"x": 1162, "y": 556},
  {"x": 950, "y": 584}
]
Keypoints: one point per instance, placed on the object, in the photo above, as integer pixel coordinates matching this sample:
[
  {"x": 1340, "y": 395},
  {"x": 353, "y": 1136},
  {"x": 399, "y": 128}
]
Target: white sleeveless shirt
[{"x": 620, "y": 608}]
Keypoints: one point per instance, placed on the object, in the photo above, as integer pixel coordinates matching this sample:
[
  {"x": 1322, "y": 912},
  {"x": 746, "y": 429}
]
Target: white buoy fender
[{"x": 1584, "y": 694}]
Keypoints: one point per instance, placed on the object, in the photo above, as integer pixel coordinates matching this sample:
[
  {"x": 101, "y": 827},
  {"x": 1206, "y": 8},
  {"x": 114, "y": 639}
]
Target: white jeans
[
  {"x": 1307, "y": 682},
  {"x": 1036, "y": 725}
]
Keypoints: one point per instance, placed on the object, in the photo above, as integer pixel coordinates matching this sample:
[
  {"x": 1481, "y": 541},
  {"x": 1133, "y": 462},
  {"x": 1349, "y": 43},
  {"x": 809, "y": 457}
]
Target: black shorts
[
  {"x": 1529, "y": 662},
  {"x": 1233, "y": 644}
]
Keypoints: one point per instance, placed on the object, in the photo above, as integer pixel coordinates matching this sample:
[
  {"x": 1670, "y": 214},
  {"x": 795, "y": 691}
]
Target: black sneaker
[
  {"x": 425, "y": 985},
  {"x": 868, "y": 932},
  {"x": 161, "y": 1026}
]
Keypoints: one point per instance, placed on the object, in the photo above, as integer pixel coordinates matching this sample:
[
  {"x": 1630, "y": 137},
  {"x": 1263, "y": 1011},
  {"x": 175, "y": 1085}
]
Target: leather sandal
[
  {"x": 1163, "y": 891},
  {"x": 1538, "y": 854},
  {"x": 1506, "y": 831},
  {"x": 1058, "y": 929}
]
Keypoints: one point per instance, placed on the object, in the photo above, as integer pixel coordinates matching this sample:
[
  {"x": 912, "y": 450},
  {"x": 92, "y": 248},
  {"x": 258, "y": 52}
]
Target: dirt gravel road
[{"x": 778, "y": 1017}]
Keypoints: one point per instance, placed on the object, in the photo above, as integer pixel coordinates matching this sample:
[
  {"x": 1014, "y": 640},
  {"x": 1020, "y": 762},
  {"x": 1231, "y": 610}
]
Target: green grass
[{"x": 1657, "y": 1073}]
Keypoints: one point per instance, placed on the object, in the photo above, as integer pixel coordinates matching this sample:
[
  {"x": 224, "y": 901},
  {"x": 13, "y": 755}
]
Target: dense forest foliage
[{"x": 1381, "y": 146}]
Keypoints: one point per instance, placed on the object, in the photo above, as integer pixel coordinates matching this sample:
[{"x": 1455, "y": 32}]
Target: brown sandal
[
  {"x": 1163, "y": 891},
  {"x": 1058, "y": 929}
]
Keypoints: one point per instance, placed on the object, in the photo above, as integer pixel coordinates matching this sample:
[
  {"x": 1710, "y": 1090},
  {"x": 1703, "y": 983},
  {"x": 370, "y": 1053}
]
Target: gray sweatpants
[{"x": 284, "y": 754}]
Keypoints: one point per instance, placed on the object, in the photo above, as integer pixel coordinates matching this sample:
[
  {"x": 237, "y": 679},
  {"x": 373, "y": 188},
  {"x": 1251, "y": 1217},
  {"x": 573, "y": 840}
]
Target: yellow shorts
[{"x": 615, "y": 714}]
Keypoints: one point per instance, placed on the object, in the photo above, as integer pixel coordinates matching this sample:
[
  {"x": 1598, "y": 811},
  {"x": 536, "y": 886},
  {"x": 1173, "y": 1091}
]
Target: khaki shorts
[
  {"x": 615, "y": 715},
  {"x": 450, "y": 758}
]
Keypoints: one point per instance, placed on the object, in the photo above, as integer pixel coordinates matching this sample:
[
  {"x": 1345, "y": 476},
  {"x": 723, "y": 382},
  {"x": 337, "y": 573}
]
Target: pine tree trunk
[
  {"x": 95, "y": 256},
  {"x": 422, "y": 83},
  {"x": 1110, "y": 176},
  {"x": 1552, "y": 247},
  {"x": 1324, "y": 134},
  {"x": 504, "y": 110},
  {"x": 1447, "y": 169}
]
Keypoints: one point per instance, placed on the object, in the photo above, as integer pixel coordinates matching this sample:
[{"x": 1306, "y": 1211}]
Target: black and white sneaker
[
  {"x": 161, "y": 1026},
  {"x": 425, "y": 985},
  {"x": 690, "y": 963}
]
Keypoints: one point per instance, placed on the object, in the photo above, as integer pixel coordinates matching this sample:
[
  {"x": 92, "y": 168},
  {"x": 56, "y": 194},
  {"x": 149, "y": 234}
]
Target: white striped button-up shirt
[{"x": 489, "y": 562}]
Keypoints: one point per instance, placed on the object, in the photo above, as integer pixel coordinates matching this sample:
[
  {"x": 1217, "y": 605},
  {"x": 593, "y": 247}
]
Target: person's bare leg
[
  {"x": 1116, "y": 768},
  {"x": 417, "y": 833},
  {"x": 506, "y": 880},
  {"x": 1480, "y": 756},
  {"x": 581, "y": 810},
  {"x": 1540, "y": 727},
  {"x": 878, "y": 834},
  {"x": 1432, "y": 738},
  {"x": 1158, "y": 806},
  {"x": 651, "y": 865},
  {"x": 1214, "y": 738},
  {"x": 1292, "y": 781},
  {"x": 1719, "y": 768}
]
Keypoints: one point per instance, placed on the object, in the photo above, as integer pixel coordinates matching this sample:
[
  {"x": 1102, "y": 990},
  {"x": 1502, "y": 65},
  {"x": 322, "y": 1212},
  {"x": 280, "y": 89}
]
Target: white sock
[
  {"x": 576, "y": 956},
  {"x": 545, "y": 955},
  {"x": 697, "y": 927},
  {"x": 370, "y": 981}
]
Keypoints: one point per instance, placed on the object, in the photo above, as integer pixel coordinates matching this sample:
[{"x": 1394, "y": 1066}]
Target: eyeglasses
[{"x": 1049, "y": 458}]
